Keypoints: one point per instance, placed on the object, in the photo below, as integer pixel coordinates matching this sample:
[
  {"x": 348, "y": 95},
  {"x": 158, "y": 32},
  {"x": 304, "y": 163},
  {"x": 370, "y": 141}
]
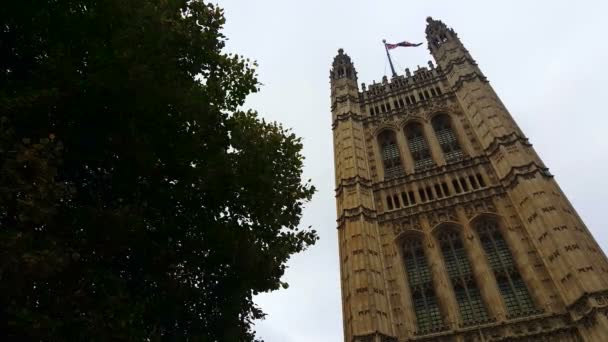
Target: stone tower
[{"x": 450, "y": 226}]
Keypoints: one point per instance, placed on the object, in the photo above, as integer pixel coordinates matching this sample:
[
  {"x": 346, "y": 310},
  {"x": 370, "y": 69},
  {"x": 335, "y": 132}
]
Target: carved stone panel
[
  {"x": 479, "y": 207},
  {"x": 409, "y": 223},
  {"x": 442, "y": 215}
]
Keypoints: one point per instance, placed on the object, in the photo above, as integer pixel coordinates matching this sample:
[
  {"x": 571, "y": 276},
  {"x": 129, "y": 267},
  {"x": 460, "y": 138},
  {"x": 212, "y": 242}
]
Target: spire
[
  {"x": 437, "y": 33},
  {"x": 343, "y": 67}
]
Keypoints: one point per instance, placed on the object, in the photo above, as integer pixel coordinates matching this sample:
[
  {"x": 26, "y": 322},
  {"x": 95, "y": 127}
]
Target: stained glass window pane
[
  {"x": 390, "y": 155},
  {"x": 512, "y": 288},
  {"x": 418, "y": 147},
  {"x": 447, "y": 139},
  {"x": 476, "y": 304},
  {"x": 523, "y": 296},
  {"x": 458, "y": 268},
  {"x": 426, "y": 308},
  {"x": 508, "y": 295}
]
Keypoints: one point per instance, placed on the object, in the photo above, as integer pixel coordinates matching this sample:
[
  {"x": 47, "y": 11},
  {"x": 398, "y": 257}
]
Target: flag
[{"x": 403, "y": 44}]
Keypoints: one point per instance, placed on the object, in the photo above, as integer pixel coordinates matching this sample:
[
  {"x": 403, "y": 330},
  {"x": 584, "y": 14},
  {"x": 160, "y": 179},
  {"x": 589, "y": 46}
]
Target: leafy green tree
[{"x": 136, "y": 201}]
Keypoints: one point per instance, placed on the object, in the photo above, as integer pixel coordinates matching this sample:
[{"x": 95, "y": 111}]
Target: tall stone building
[{"x": 450, "y": 226}]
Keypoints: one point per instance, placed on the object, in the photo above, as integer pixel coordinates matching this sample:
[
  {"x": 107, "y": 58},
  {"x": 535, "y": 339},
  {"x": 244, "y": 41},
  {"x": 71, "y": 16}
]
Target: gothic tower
[{"x": 450, "y": 226}]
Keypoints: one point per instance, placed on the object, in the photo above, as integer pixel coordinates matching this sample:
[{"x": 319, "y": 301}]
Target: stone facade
[{"x": 450, "y": 226}]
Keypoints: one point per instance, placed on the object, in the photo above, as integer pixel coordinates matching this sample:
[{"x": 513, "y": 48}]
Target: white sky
[{"x": 543, "y": 58}]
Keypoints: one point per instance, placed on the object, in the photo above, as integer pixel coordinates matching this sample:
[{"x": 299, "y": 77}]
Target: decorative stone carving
[
  {"x": 409, "y": 223},
  {"x": 479, "y": 207},
  {"x": 538, "y": 215},
  {"x": 439, "y": 216}
]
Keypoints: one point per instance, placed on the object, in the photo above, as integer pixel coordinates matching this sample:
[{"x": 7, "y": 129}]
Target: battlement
[{"x": 422, "y": 76}]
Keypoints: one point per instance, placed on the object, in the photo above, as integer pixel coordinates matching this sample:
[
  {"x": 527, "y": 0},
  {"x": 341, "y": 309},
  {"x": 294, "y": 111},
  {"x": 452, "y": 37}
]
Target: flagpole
[{"x": 390, "y": 61}]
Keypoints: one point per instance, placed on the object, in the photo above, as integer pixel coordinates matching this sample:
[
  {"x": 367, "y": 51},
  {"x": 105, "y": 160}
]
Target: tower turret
[
  {"x": 446, "y": 47},
  {"x": 450, "y": 227},
  {"x": 365, "y": 306},
  {"x": 438, "y": 33},
  {"x": 344, "y": 90},
  {"x": 343, "y": 68},
  {"x": 540, "y": 209}
]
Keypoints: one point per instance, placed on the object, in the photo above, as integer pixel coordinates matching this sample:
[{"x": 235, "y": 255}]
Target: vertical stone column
[
  {"x": 461, "y": 135},
  {"x": 434, "y": 146},
  {"x": 449, "y": 184},
  {"x": 443, "y": 286},
  {"x": 415, "y": 188},
  {"x": 365, "y": 305},
  {"x": 520, "y": 171},
  {"x": 484, "y": 276},
  {"x": 404, "y": 149},
  {"x": 467, "y": 181},
  {"x": 519, "y": 247},
  {"x": 378, "y": 162},
  {"x": 408, "y": 317}
]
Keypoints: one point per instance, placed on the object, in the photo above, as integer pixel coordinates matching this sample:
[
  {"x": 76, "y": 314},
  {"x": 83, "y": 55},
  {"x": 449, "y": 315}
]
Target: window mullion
[
  {"x": 495, "y": 246},
  {"x": 515, "y": 294},
  {"x": 427, "y": 312},
  {"x": 421, "y": 286},
  {"x": 465, "y": 286},
  {"x": 416, "y": 267},
  {"x": 455, "y": 256}
]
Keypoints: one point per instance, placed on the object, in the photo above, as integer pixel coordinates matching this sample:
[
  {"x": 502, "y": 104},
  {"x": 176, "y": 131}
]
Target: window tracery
[
  {"x": 391, "y": 158},
  {"x": 458, "y": 267},
  {"x": 418, "y": 146},
  {"x": 425, "y": 304},
  {"x": 446, "y": 137},
  {"x": 512, "y": 287}
]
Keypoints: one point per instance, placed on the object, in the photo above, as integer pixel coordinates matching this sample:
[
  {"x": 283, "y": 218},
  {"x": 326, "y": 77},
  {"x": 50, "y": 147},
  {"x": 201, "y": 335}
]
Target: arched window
[
  {"x": 391, "y": 157},
  {"x": 511, "y": 286},
  {"x": 458, "y": 268},
  {"x": 447, "y": 138},
  {"x": 426, "y": 308},
  {"x": 418, "y": 146}
]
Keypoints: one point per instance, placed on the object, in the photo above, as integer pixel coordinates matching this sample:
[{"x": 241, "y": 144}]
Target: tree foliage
[{"x": 136, "y": 201}]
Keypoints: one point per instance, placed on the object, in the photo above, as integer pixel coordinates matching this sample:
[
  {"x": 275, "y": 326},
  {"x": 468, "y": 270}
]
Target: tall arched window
[
  {"x": 458, "y": 268},
  {"x": 418, "y": 146},
  {"x": 426, "y": 308},
  {"x": 446, "y": 137},
  {"x": 511, "y": 286},
  {"x": 391, "y": 157}
]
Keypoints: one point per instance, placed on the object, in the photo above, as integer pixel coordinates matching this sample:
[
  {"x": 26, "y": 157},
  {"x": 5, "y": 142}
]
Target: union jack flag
[{"x": 403, "y": 44}]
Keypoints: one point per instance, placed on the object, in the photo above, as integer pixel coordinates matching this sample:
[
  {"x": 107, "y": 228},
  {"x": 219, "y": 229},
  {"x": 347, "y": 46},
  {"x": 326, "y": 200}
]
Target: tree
[{"x": 137, "y": 202}]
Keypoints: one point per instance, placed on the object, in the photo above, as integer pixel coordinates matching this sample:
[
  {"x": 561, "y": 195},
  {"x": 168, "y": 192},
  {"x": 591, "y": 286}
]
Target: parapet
[{"x": 420, "y": 77}]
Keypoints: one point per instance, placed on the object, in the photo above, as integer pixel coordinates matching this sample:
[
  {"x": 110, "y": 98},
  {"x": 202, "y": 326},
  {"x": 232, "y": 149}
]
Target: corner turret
[
  {"x": 344, "y": 88},
  {"x": 437, "y": 34},
  {"x": 343, "y": 68}
]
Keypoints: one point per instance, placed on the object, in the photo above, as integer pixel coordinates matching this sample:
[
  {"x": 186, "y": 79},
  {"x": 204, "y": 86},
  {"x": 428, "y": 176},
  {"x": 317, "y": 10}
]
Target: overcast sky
[{"x": 545, "y": 59}]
